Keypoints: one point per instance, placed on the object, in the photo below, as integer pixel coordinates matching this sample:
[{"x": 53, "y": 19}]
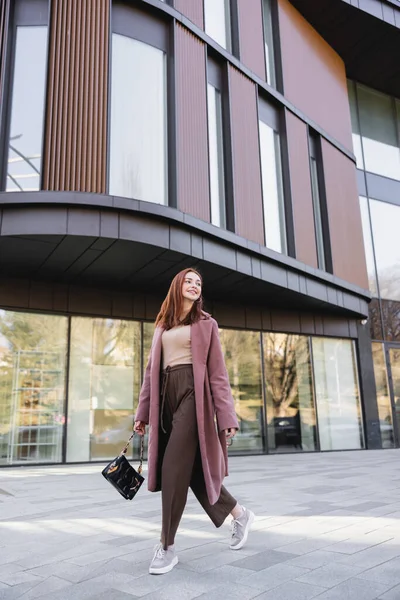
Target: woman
[{"x": 185, "y": 394}]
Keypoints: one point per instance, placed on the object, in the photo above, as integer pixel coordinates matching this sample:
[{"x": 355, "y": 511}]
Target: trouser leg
[
  {"x": 179, "y": 457},
  {"x": 225, "y": 503}
]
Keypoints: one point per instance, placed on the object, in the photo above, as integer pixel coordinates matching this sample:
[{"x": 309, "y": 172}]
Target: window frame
[
  {"x": 277, "y": 56},
  {"x": 315, "y": 153},
  {"x": 157, "y": 31},
  {"x": 24, "y": 13},
  {"x": 231, "y": 30}
]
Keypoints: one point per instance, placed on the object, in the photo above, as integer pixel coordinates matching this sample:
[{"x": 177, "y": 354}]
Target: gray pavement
[{"x": 327, "y": 527}]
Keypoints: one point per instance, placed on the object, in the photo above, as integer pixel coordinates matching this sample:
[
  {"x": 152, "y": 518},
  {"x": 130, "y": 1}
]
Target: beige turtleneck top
[{"x": 176, "y": 346}]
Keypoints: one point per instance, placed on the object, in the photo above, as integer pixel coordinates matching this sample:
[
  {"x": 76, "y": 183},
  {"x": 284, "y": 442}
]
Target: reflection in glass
[
  {"x": 269, "y": 44},
  {"x": 271, "y": 171},
  {"x": 104, "y": 383},
  {"x": 33, "y": 351},
  {"x": 378, "y": 128},
  {"x": 316, "y": 197},
  {"x": 337, "y": 394},
  {"x": 242, "y": 357},
  {"x": 218, "y": 21},
  {"x": 394, "y": 358},
  {"x": 138, "y": 138},
  {"x": 355, "y": 125},
  {"x": 391, "y": 320},
  {"x": 383, "y": 396},
  {"x": 216, "y": 157},
  {"x": 375, "y": 320},
  {"x": 368, "y": 245},
  {"x": 27, "y": 110},
  {"x": 385, "y": 228},
  {"x": 289, "y": 395}
]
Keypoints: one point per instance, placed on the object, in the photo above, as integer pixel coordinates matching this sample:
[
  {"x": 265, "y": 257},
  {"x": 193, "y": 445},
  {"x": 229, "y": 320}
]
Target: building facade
[{"x": 244, "y": 138}]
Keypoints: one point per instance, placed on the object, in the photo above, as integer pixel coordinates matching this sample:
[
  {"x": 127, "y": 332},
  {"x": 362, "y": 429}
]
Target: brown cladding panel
[
  {"x": 303, "y": 212},
  {"x": 76, "y": 122},
  {"x": 314, "y": 75},
  {"x": 251, "y": 36},
  {"x": 246, "y": 158},
  {"x": 192, "y": 140},
  {"x": 345, "y": 228},
  {"x": 4, "y": 19},
  {"x": 192, "y": 9}
]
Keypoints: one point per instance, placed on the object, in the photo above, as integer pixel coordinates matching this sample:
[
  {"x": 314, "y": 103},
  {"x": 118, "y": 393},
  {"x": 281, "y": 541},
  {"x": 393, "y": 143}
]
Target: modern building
[{"x": 256, "y": 140}]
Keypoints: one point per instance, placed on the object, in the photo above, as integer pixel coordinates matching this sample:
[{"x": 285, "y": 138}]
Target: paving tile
[
  {"x": 354, "y": 589},
  {"x": 392, "y": 594},
  {"x": 387, "y": 572},
  {"x": 262, "y": 560},
  {"x": 330, "y": 575},
  {"x": 235, "y": 591},
  {"x": 15, "y": 591},
  {"x": 50, "y": 585},
  {"x": 272, "y": 577},
  {"x": 292, "y": 590}
]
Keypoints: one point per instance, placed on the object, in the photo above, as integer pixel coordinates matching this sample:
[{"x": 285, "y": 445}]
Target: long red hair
[{"x": 171, "y": 308}]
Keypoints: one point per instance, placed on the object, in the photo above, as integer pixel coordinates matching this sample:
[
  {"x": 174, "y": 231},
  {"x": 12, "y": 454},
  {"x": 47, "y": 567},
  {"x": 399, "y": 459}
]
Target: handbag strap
[{"x": 124, "y": 450}]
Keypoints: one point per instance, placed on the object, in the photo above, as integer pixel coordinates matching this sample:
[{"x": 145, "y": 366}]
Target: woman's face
[{"x": 191, "y": 287}]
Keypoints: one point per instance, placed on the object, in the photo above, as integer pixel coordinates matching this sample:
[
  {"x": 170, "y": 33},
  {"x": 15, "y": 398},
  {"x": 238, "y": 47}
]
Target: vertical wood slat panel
[
  {"x": 251, "y": 36},
  {"x": 344, "y": 216},
  {"x": 192, "y": 9},
  {"x": 246, "y": 158},
  {"x": 76, "y": 120},
  {"x": 192, "y": 126},
  {"x": 4, "y": 18},
  {"x": 302, "y": 201}
]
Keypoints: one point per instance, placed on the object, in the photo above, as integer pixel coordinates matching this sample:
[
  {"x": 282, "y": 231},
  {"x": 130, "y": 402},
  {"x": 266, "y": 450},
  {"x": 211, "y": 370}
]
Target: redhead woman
[{"x": 187, "y": 401}]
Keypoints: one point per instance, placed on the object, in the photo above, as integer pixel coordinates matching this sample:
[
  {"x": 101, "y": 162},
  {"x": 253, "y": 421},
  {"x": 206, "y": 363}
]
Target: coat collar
[{"x": 200, "y": 340}]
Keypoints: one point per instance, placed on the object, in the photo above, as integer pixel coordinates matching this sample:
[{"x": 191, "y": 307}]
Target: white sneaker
[
  {"x": 240, "y": 529},
  {"x": 163, "y": 560}
]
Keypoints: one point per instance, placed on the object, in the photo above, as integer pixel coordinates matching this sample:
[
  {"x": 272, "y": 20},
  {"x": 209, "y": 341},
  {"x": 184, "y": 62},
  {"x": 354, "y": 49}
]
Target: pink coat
[{"x": 213, "y": 399}]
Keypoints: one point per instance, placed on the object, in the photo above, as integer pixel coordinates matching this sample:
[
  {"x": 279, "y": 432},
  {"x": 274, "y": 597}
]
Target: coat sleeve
[
  {"x": 142, "y": 413},
  {"x": 219, "y": 383}
]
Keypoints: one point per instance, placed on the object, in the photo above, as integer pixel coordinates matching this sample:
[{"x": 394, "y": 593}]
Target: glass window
[
  {"x": 271, "y": 171},
  {"x": 383, "y": 395},
  {"x": 216, "y": 157},
  {"x": 242, "y": 357},
  {"x": 391, "y": 320},
  {"x": 375, "y": 319},
  {"x": 291, "y": 421},
  {"x": 394, "y": 358},
  {"x": 355, "y": 125},
  {"x": 379, "y": 133},
  {"x": 218, "y": 21},
  {"x": 27, "y": 110},
  {"x": 269, "y": 43},
  {"x": 138, "y": 141},
  {"x": 337, "y": 394},
  {"x": 33, "y": 351},
  {"x": 385, "y": 229},
  {"x": 368, "y": 245},
  {"x": 104, "y": 384},
  {"x": 316, "y": 196}
]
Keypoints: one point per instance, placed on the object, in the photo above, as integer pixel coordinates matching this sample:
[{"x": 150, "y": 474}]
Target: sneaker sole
[
  {"x": 246, "y": 534},
  {"x": 164, "y": 570}
]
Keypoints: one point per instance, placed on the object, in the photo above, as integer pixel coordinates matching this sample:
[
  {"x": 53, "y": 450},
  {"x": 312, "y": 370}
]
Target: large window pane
[
  {"x": 216, "y": 157},
  {"x": 355, "y": 125},
  {"x": 32, "y": 387},
  {"x": 383, "y": 396},
  {"x": 27, "y": 110},
  {"x": 243, "y": 361},
  {"x": 104, "y": 384},
  {"x": 375, "y": 319},
  {"x": 337, "y": 394},
  {"x": 138, "y": 146},
  {"x": 368, "y": 245},
  {"x": 385, "y": 228},
  {"x": 271, "y": 171},
  {"x": 394, "y": 357},
  {"x": 289, "y": 394},
  {"x": 269, "y": 44},
  {"x": 218, "y": 21},
  {"x": 391, "y": 320},
  {"x": 379, "y": 133}
]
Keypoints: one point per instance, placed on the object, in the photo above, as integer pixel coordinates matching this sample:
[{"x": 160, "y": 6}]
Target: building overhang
[
  {"x": 366, "y": 36},
  {"x": 111, "y": 242}
]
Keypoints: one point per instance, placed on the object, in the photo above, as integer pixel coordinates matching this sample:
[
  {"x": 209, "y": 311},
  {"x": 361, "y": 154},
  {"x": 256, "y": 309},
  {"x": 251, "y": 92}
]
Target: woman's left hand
[{"x": 230, "y": 433}]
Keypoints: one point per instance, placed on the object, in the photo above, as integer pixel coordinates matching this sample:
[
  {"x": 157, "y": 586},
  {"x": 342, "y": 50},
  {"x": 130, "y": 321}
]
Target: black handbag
[{"x": 122, "y": 475}]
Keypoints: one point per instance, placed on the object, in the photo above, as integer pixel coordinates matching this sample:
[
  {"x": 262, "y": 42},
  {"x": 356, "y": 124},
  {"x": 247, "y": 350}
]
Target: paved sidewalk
[{"x": 327, "y": 527}]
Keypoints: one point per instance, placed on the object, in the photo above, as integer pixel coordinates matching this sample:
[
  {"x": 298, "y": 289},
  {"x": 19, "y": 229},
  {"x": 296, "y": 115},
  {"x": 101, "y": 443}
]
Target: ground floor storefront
[{"x": 69, "y": 386}]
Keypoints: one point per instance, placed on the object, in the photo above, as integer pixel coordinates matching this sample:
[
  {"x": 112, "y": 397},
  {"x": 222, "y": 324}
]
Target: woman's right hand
[{"x": 139, "y": 427}]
